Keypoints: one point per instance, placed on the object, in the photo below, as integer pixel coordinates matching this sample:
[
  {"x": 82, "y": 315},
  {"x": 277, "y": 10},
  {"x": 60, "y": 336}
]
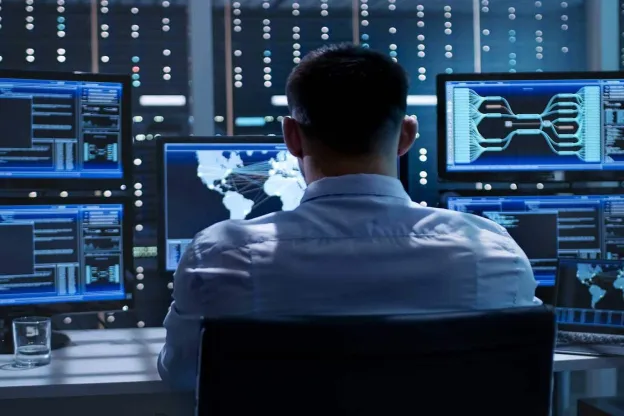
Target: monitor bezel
[
  {"x": 51, "y": 309},
  {"x": 559, "y": 176},
  {"x": 584, "y": 328},
  {"x": 126, "y": 134}
]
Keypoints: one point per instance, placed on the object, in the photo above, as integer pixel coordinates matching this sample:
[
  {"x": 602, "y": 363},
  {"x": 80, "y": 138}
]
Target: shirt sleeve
[
  {"x": 505, "y": 273},
  {"x": 526, "y": 289},
  {"x": 526, "y": 280},
  {"x": 209, "y": 282}
]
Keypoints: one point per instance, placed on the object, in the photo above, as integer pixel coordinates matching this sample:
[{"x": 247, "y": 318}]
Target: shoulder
[
  {"x": 477, "y": 238},
  {"x": 439, "y": 220},
  {"x": 234, "y": 234}
]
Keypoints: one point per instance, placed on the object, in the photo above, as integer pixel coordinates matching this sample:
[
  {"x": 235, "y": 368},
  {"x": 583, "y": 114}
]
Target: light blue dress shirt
[{"x": 357, "y": 244}]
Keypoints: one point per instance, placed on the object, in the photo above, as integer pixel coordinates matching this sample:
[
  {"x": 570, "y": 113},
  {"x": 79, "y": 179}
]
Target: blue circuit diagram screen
[
  {"x": 591, "y": 294},
  {"x": 549, "y": 228},
  {"x": 206, "y": 183},
  {"x": 537, "y": 125},
  {"x": 61, "y": 254},
  {"x": 60, "y": 129}
]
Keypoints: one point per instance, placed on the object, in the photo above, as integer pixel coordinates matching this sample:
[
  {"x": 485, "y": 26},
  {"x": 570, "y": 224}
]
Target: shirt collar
[{"x": 359, "y": 184}]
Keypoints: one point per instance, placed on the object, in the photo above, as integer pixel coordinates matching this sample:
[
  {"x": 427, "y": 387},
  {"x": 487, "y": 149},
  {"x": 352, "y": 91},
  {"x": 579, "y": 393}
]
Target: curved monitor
[
  {"x": 65, "y": 257},
  {"x": 532, "y": 126},
  {"x": 64, "y": 129},
  {"x": 212, "y": 179}
]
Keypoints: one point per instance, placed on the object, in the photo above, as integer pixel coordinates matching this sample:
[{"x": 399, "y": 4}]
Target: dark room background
[{"x": 233, "y": 57}]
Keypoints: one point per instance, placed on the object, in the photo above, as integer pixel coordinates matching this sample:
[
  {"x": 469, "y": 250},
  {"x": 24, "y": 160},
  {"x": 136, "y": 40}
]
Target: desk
[
  {"x": 600, "y": 380},
  {"x": 119, "y": 363},
  {"x": 106, "y": 372}
]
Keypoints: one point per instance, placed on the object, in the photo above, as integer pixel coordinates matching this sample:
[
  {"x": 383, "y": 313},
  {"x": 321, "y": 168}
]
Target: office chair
[{"x": 489, "y": 363}]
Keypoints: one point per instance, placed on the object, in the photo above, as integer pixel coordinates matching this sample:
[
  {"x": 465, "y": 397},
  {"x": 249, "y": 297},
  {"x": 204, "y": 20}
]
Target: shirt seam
[
  {"x": 369, "y": 194},
  {"x": 261, "y": 240},
  {"x": 270, "y": 239},
  {"x": 254, "y": 297}
]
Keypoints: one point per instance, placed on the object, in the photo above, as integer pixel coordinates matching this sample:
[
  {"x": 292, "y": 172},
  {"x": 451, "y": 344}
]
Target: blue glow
[
  {"x": 58, "y": 133},
  {"x": 249, "y": 121},
  {"x": 205, "y": 183},
  {"x": 577, "y": 225},
  {"x": 80, "y": 261},
  {"x": 539, "y": 125},
  {"x": 589, "y": 295}
]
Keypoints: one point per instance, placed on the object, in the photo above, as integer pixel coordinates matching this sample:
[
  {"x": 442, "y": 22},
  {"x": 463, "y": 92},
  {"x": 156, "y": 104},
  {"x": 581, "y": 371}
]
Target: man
[{"x": 357, "y": 244}]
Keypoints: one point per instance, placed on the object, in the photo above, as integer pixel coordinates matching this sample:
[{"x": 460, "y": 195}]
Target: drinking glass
[{"x": 32, "y": 336}]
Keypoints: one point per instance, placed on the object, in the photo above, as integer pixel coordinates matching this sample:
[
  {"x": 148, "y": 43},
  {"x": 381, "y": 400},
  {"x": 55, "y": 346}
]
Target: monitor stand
[{"x": 59, "y": 339}]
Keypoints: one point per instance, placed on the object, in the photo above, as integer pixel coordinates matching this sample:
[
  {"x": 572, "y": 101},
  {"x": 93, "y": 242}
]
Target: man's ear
[
  {"x": 409, "y": 133},
  {"x": 292, "y": 137}
]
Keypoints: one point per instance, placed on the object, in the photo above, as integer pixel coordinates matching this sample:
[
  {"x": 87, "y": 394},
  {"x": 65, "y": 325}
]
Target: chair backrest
[{"x": 489, "y": 363}]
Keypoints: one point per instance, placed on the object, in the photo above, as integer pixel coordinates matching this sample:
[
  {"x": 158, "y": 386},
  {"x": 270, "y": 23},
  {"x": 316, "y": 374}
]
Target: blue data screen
[
  {"x": 590, "y": 294},
  {"x": 60, "y": 129},
  {"x": 206, "y": 183},
  {"x": 537, "y": 125},
  {"x": 549, "y": 228},
  {"x": 61, "y": 254}
]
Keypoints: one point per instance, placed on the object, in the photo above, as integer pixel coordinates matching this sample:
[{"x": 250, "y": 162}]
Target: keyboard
[
  {"x": 584, "y": 338},
  {"x": 589, "y": 344}
]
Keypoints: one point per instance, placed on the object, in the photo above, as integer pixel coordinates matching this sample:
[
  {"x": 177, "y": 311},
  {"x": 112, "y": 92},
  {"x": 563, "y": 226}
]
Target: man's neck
[{"x": 314, "y": 173}]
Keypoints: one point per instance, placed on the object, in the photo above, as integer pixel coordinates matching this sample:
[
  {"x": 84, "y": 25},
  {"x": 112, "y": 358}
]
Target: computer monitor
[
  {"x": 531, "y": 126},
  {"x": 590, "y": 296},
  {"x": 69, "y": 127},
  {"x": 64, "y": 257},
  {"x": 211, "y": 179},
  {"x": 549, "y": 228}
]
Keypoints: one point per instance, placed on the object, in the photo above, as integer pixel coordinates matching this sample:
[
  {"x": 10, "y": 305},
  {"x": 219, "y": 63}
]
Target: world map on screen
[
  {"x": 590, "y": 275},
  {"x": 246, "y": 180}
]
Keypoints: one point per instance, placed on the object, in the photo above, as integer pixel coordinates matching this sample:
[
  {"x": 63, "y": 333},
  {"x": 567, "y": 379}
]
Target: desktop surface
[
  {"x": 123, "y": 361},
  {"x": 531, "y": 123},
  {"x": 57, "y": 254},
  {"x": 205, "y": 183},
  {"x": 61, "y": 129},
  {"x": 549, "y": 228}
]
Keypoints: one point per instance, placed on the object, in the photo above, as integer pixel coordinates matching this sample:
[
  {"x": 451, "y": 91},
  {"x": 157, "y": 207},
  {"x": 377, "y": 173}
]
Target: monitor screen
[
  {"x": 61, "y": 254},
  {"x": 521, "y": 123},
  {"x": 205, "y": 183},
  {"x": 590, "y": 296},
  {"x": 549, "y": 228},
  {"x": 61, "y": 129}
]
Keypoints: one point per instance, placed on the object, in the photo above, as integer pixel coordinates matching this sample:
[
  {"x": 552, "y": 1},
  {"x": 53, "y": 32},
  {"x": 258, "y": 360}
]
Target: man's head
[{"x": 347, "y": 107}]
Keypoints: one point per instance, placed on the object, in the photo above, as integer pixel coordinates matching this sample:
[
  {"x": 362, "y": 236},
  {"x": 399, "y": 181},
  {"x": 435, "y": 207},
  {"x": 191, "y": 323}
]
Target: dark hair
[{"x": 348, "y": 97}]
